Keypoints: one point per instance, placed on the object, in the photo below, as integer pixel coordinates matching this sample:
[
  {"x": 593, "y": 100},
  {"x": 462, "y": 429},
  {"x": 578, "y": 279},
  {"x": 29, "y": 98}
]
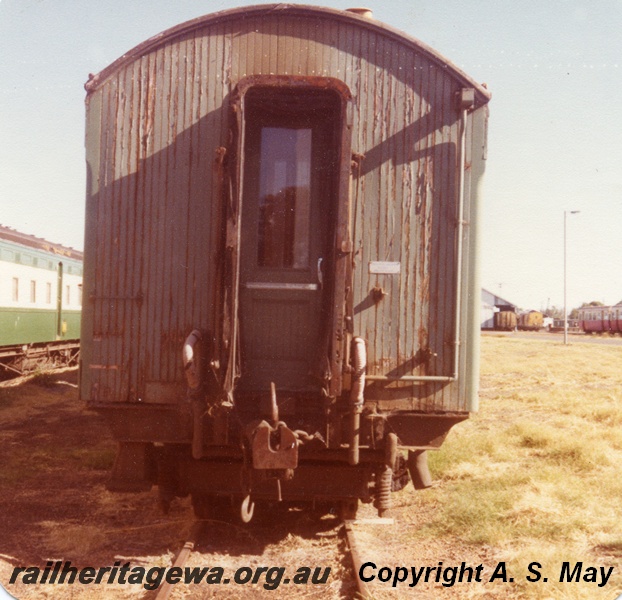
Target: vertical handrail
[{"x": 467, "y": 100}]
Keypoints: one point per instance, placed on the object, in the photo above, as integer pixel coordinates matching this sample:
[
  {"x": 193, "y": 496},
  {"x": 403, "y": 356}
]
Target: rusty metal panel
[
  {"x": 150, "y": 131},
  {"x": 164, "y": 115},
  {"x": 401, "y": 325}
]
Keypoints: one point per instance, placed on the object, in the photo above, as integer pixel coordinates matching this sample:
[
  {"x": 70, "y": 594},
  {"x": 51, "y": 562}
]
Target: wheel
[
  {"x": 348, "y": 507},
  {"x": 165, "y": 498}
]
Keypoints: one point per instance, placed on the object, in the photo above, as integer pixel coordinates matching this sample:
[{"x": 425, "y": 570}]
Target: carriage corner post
[{"x": 311, "y": 336}]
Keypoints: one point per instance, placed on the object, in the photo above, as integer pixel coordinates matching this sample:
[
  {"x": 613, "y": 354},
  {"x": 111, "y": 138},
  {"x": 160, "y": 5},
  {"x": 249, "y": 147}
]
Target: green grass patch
[
  {"x": 96, "y": 459},
  {"x": 45, "y": 379}
]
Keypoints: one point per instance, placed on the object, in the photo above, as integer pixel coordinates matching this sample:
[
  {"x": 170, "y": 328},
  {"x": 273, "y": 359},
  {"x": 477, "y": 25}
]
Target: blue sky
[{"x": 555, "y": 139}]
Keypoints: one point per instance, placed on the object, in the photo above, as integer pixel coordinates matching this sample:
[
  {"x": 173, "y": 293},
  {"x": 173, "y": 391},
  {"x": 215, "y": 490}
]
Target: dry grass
[{"x": 533, "y": 477}]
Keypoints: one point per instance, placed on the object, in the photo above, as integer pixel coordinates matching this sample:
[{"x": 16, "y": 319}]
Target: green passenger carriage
[
  {"x": 281, "y": 270},
  {"x": 40, "y": 303}
]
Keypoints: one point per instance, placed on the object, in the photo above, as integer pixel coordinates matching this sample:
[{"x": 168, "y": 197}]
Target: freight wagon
[
  {"x": 531, "y": 320},
  {"x": 281, "y": 276},
  {"x": 505, "y": 320}
]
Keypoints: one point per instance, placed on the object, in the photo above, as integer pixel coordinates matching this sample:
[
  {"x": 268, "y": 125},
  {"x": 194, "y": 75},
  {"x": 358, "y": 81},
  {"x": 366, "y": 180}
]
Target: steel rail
[
  {"x": 362, "y": 590},
  {"x": 164, "y": 591}
]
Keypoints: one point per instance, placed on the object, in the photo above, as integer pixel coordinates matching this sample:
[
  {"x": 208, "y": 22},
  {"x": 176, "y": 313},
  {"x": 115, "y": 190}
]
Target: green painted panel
[{"x": 28, "y": 326}]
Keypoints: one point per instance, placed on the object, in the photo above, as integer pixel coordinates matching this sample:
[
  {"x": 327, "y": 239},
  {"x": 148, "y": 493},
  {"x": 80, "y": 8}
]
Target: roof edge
[
  {"x": 30, "y": 241},
  {"x": 96, "y": 80}
]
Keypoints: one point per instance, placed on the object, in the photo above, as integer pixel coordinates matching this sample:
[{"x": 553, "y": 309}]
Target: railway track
[
  {"x": 353, "y": 547},
  {"x": 347, "y": 532},
  {"x": 164, "y": 591}
]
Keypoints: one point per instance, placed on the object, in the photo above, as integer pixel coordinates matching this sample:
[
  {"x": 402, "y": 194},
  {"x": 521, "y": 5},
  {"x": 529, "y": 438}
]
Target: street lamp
[{"x": 572, "y": 212}]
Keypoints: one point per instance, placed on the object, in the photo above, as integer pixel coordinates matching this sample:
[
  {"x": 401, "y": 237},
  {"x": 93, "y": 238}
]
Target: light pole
[{"x": 572, "y": 212}]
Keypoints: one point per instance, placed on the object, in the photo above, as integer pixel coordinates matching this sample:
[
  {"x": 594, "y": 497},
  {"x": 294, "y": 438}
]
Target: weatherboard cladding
[{"x": 155, "y": 120}]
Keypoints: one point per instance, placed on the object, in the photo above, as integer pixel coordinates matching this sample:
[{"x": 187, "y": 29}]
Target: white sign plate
[{"x": 384, "y": 267}]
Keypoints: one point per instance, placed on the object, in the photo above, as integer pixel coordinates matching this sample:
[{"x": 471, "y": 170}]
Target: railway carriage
[
  {"x": 40, "y": 303},
  {"x": 600, "y": 319},
  {"x": 281, "y": 275}
]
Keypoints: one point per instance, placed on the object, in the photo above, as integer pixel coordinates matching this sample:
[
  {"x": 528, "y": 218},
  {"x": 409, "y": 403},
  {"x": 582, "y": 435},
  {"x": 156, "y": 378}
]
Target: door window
[{"x": 284, "y": 198}]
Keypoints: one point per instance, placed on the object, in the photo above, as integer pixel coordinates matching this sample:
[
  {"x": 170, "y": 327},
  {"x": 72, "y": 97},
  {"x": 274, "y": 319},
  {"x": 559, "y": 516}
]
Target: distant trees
[
  {"x": 554, "y": 312},
  {"x": 558, "y": 313}
]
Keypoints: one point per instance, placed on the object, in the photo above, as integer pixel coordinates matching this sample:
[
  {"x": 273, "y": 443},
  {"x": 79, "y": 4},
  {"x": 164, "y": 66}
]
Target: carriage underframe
[{"x": 260, "y": 465}]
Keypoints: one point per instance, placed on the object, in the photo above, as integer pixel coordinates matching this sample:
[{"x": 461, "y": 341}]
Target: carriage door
[{"x": 287, "y": 206}]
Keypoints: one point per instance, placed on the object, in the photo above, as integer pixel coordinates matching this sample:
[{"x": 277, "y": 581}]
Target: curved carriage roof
[
  {"x": 169, "y": 35},
  {"x": 8, "y": 234}
]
